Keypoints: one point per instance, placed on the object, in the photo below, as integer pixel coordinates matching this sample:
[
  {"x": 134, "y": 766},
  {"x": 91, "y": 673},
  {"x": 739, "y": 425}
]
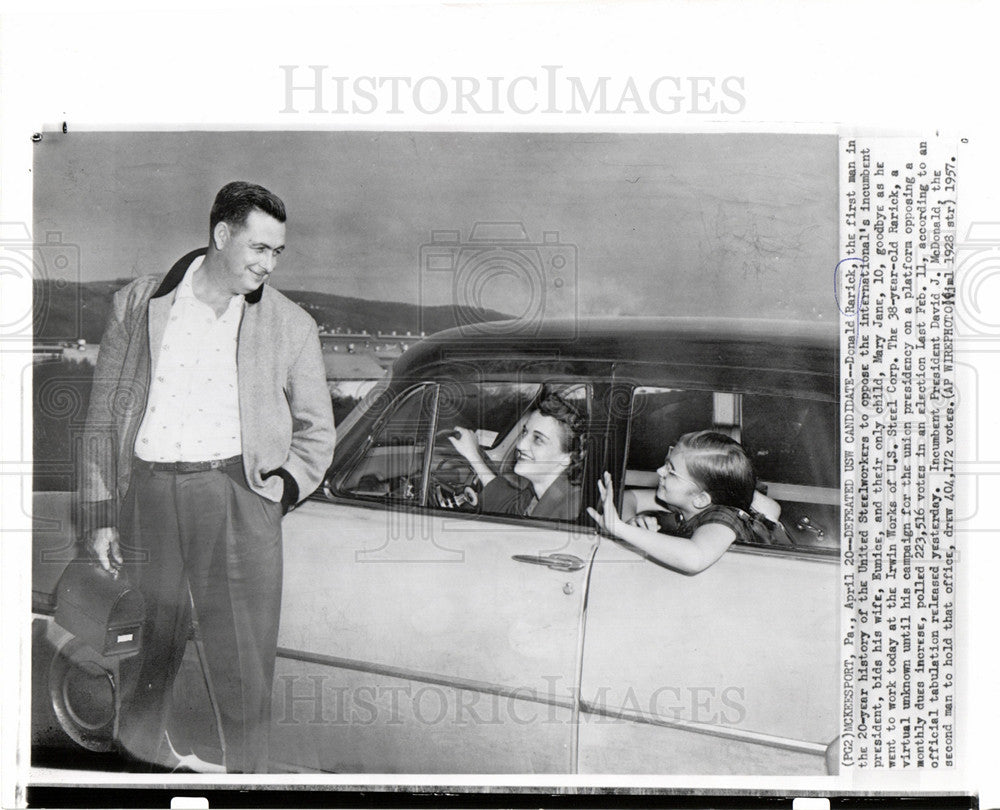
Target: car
[{"x": 421, "y": 634}]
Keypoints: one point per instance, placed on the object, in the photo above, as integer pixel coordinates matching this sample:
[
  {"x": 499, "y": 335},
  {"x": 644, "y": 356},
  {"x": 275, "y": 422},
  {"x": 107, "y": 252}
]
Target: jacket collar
[
  {"x": 557, "y": 492},
  {"x": 176, "y": 275}
]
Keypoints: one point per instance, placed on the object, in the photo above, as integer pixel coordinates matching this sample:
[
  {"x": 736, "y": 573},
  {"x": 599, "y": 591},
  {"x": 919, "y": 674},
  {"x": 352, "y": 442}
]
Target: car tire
[{"x": 83, "y": 694}]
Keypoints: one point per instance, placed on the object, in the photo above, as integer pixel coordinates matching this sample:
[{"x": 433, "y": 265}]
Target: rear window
[{"x": 792, "y": 441}]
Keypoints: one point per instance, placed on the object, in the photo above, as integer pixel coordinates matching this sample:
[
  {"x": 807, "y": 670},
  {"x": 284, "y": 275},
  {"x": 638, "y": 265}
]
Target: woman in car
[{"x": 548, "y": 456}]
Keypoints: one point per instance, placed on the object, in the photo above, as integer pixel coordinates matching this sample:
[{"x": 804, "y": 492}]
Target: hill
[{"x": 79, "y": 310}]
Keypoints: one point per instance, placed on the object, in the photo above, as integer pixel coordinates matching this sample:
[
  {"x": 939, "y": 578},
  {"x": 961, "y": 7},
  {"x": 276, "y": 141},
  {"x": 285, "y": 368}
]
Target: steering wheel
[
  {"x": 465, "y": 499},
  {"x": 453, "y": 483}
]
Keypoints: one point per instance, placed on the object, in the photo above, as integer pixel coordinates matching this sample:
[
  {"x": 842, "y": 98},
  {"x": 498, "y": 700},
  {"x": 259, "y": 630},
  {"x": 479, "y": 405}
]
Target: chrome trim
[
  {"x": 800, "y": 493},
  {"x": 822, "y": 554},
  {"x": 371, "y": 502},
  {"x": 406, "y": 674},
  {"x": 576, "y": 707},
  {"x": 737, "y": 735},
  {"x": 428, "y": 462},
  {"x": 557, "y": 562},
  {"x": 574, "y": 740}
]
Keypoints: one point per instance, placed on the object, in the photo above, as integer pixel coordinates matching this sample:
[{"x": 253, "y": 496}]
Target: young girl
[{"x": 708, "y": 482}]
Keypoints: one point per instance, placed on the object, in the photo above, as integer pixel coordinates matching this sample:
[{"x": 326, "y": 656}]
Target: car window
[
  {"x": 490, "y": 408},
  {"x": 792, "y": 443},
  {"x": 347, "y": 395},
  {"x": 658, "y": 418},
  {"x": 498, "y": 413},
  {"x": 391, "y": 465},
  {"x": 795, "y": 448}
]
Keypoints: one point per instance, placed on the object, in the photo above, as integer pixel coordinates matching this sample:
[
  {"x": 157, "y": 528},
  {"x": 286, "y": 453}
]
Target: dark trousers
[{"x": 210, "y": 530}]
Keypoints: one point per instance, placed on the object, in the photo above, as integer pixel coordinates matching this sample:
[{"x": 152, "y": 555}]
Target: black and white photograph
[
  {"x": 580, "y": 511},
  {"x": 514, "y": 404}
]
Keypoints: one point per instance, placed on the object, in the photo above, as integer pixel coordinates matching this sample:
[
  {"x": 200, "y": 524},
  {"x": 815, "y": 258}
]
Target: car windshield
[{"x": 356, "y": 399}]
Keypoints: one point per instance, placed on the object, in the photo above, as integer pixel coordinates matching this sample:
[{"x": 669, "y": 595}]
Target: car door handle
[
  {"x": 558, "y": 562},
  {"x": 804, "y": 524}
]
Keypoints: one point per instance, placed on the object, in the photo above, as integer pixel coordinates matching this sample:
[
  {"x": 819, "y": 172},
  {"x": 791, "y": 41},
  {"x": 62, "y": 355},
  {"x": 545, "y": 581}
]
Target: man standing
[{"x": 209, "y": 417}]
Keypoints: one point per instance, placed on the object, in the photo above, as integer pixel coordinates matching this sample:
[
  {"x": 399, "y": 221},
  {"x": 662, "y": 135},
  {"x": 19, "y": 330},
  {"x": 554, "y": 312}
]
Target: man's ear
[{"x": 221, "y": 234}]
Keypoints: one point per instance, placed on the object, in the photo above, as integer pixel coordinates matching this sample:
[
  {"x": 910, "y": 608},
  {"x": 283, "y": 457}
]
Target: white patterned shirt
[{"x": 193, "y": 410}]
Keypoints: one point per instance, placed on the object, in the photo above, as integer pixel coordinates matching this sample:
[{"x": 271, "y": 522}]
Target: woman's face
[{"x": 539, "y": 450}]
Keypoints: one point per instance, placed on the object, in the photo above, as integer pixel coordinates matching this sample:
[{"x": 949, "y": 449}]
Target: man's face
[{"x": 250, "y": 253}]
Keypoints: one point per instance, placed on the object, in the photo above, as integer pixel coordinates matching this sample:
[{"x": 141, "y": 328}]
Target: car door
[
  {"x": 733, "y": 670},
  {"x": 416, "y": 638}
]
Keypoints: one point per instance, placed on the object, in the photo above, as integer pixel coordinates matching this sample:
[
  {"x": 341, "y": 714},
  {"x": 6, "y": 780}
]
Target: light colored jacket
[{"x": 286, "y": 417}]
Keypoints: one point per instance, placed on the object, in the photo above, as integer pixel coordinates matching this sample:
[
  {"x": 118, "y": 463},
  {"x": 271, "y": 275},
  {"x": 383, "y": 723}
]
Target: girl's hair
[
  {"x": 721, "y": 466},
  {"x": 574, "y": 427}
]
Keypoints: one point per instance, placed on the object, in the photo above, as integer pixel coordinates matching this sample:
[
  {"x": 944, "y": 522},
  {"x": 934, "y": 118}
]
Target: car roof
[{"x": 767, "y": 345}]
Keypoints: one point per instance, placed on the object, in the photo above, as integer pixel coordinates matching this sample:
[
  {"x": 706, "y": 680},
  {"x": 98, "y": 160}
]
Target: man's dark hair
[
  {"x": 574, "y": 429},
  {"x": 236, "y": 200}
]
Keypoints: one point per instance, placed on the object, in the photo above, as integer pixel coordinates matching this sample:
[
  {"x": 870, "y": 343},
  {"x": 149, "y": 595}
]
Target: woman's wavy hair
[
  {"x": 573, "y": 434},
  {"x": 721, "y": 466}
]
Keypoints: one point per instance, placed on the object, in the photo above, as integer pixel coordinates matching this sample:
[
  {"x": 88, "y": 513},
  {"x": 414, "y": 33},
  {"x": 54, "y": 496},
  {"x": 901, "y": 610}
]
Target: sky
[{"x": 642, "y": 224}]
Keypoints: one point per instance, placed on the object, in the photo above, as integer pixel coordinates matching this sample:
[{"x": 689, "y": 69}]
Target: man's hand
[
  {"x": 103, "y": 544},
  {"x": 290, "y": 488}
]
